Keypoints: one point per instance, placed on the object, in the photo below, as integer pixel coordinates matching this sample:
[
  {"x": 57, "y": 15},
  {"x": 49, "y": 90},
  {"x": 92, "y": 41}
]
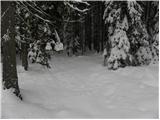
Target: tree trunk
[
  {"x": 83, "y": 36},
  {"x": 24, "y": 54},
  {"x": 24, "y": 49},
  {"x": 102, "y": 27},
  {"x": 92, "y": 30},
  {"x": 10, "y": 78}
]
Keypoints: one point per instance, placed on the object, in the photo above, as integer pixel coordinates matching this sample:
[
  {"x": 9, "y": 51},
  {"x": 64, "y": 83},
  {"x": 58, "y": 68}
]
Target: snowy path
[{"x": 80, "y": 87}]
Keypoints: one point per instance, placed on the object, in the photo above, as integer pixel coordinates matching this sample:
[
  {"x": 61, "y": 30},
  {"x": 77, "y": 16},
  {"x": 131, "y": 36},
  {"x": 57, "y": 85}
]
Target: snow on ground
[{"x": 80, "y": 87}]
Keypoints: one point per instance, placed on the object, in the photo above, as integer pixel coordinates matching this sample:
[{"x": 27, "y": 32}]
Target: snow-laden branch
[
  {"x": 40, "y": 9},
  {"x": 57, "y": 36},
  {"x": 82, "y": 2},
  {"x": 42, "y": 12},
  {"x": 36, "y": 15},
  {"x": 85, "y": 3},
  {"x": 42, "y": 18},
  {"x": 22, "y": 19},
  {"x": 75, "y": 8},
  {"x": 35, "y": 8}
]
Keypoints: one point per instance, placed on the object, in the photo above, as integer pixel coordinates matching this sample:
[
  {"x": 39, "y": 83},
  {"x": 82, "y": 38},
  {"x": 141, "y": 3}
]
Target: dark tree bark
[
  {"x": 88, "y": 30},
  {"x": 92, "y": 29},
  {"x": 83, "y": 37},
  {"x": 102, "y": 34},
  {"x": 24, "y": 47},
  {"x": 10, "y": 78},
  {"x": 24, "y": 55}
]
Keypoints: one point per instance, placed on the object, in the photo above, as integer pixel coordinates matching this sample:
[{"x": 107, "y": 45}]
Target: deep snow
[{"x": 80, "y": 87}]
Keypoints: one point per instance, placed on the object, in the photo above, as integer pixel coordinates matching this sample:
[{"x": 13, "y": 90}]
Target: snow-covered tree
[
  {"x": 37, "y": 22},
  {"x": 34, "y": 29},
  {"x": 148, "y": 51},
  {"x": 138, "y": 34},
  {"x": 119, "y": 45},
  {"x": 118, "y": 26},
  {"x": 154, "y": 46},
  {"x": 127, "y": 32}
]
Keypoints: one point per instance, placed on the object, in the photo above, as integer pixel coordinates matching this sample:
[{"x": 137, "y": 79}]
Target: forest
[{"x": 119, "y": 34}]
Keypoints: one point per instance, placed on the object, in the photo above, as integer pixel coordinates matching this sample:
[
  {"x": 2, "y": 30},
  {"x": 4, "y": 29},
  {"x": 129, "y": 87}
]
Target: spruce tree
[{"x": 127, "y": 32}]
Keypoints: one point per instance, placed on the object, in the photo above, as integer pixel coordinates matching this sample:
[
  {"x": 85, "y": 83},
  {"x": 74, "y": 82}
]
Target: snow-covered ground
[{"x": 80, "y": 87}]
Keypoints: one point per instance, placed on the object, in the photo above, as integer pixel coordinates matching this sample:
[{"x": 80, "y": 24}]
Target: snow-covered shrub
[
  {"x": 48, "y": 46},
  {"x": 39, "y": 55},
  {"x": 58, "y": 46},
  {"x": 32, "y": 55}
]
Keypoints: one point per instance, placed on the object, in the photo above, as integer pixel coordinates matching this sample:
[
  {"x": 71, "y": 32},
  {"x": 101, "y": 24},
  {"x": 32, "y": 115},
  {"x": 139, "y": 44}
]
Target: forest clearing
[
  {"x": 80, "y": 59},
  {"x": 80, "y": 87}
]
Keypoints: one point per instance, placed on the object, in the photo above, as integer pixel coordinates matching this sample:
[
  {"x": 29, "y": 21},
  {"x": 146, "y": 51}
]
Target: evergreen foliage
[{"x": 125, "y": 22}]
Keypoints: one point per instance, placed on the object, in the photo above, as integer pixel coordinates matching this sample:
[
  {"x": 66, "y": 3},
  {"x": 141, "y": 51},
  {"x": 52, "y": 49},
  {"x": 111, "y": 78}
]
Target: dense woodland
[{"x": 126, "y": 32}]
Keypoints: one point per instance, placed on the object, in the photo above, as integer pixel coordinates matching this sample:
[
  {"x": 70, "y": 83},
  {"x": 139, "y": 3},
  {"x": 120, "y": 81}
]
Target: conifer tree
[{"x": 127, "y": 32}]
